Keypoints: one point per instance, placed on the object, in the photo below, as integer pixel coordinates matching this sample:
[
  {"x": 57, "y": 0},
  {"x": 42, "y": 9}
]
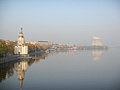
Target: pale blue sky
[{"x": 63, "y": 21}]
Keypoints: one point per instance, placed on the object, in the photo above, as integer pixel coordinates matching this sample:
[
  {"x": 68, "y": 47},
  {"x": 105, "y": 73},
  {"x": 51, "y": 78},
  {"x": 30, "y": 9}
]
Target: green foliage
[
  {"x": 36, "y": 46},
  {"x": 6, "y": 48},
  {"x": 3, "y": 48},
  {"x": 10, "y": 47}
]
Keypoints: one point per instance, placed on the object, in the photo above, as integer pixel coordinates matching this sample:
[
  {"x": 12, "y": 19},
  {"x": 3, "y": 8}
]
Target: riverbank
[
  {"x": 9, "y": 58},
  {"x": 12, "y": 58}
]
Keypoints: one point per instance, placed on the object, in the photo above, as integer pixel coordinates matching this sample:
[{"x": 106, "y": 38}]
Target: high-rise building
[
  {"x": 96, "y": 41},
  {"x": 21, "y": 48}
]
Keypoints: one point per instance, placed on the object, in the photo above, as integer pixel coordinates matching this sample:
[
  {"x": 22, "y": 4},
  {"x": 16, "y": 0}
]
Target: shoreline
[
  {"x": 9, "y": 58},
  {"x": 12, "y": 58}
]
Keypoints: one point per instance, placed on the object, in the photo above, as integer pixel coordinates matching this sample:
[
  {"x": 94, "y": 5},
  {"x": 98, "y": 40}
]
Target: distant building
[
  {"x": 43, "y": 42},
  {"x": 21, "y": 48},
  {"x": 96, "y": 41}
]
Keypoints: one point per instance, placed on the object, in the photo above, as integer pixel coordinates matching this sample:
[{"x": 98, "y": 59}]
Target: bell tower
[{"x": 21, "y": 40}]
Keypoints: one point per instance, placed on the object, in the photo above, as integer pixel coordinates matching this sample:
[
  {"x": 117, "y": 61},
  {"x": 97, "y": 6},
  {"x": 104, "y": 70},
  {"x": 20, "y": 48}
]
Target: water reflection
[
  {"x": 6, "y": 71},
  {"x": 96, "y": 54},
  {"x": 20, "y": 67}
]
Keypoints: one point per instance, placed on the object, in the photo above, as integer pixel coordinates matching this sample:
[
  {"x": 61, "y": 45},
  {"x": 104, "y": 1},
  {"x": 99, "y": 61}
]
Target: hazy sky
[{"x": 62, "y": 21}]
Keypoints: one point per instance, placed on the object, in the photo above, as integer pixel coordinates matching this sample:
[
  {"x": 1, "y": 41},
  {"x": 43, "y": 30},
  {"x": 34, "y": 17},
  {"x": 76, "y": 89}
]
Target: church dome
[
  {"x": 21, "y": 34},
  {"x": 21, "y": 38}
]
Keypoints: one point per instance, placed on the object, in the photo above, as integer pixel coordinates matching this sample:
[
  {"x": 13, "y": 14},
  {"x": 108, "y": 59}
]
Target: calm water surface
[{"x": 73, "y": 70}]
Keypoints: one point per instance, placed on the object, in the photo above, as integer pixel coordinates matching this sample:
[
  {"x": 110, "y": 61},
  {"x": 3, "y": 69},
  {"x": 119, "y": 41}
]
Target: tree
[
  {"x": 3, "y": 48},
  {"x": 10, "y": 47}
]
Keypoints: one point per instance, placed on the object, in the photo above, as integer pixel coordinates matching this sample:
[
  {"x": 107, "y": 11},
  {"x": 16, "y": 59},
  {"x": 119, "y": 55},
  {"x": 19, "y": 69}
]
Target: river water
[{"x": 64, "y": 70}]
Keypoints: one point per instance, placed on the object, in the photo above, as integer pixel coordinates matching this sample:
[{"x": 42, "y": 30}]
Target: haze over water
[
  {"x": 63, "y": 21},
  {"x": 73, "y": 70}
]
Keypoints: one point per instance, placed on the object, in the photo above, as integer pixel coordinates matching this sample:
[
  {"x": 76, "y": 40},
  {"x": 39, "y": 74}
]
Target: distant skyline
[{"x": 61, "y": 21}]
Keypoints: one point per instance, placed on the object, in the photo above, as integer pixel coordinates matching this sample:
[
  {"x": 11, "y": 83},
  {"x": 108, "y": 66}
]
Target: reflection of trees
[
  {"x": 37, "y": 58},
  {"x": 6, "y": 70}
]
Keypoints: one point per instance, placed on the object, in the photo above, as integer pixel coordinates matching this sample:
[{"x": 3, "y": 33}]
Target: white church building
[{"x": 21, "y": 48}]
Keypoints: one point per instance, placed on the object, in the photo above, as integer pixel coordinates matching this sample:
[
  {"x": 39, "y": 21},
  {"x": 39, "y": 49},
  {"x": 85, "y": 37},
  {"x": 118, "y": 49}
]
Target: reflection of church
[
  {"x": 21, "y": 68},
  {"x": 21, "y": 48}
]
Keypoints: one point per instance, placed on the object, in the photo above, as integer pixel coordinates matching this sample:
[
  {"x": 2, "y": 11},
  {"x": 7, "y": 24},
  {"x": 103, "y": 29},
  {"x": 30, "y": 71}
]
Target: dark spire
[{"x": 21, "y": 29}]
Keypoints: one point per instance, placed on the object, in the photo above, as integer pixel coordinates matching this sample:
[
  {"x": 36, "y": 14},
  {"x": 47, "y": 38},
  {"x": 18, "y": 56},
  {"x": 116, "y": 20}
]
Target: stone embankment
[{"x": 10, "y": 58}]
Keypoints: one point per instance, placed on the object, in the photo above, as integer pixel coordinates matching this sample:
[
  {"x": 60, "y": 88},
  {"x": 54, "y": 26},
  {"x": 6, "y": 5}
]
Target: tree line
[{"x": 6, "y": 48}]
